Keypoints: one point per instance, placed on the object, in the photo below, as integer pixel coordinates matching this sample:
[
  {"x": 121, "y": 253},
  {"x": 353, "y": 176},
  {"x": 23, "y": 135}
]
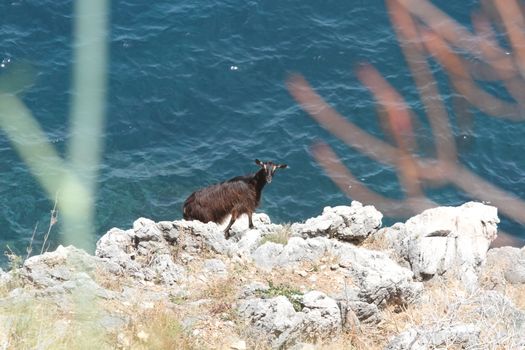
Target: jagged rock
[
  {"x": 505, "y": 264},
  {"x": 265, "y": 256},
  {"x": 348, "y": 223},
  {"x": 146, "y": 230},
  {"x": 52, "y": 268},
  {"x": 297, "y": 249},
  {"x": 67, "y": 270},
  {"x": 251, "y": 290},
  {"x": 354, "y": 311},
  {"x": 83, "y": 282},
  {"x": 465, "y": 335},
  {"x": 451, "y": 240},
  {"x": 243, "y": 240},
  {"x": 249, "y": 242},
  {"x": 260, "y": 222},
  {"x": 195, "y": 236},
  {"x": 163, "y": 270},
  {"x": 118, "y": 246},
  {"x": 282, "y": 325},
  {"x": 393, "y": 239},
  {"x": 4, "y": 277},
  {"x": 143, "y": 252},
  {"x": 215, "y": 267},
  {"x": 169, "y": 231},
  {"x": 322, "y": 316},
  {"x": 274, "y": 319},
  {"x": 379, "y": 279}
]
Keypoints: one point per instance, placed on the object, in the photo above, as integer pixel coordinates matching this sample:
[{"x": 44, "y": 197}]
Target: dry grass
[
  {"x": 443, "y": 303},
  {"x": 380, "y": 242},
  {"x": 107, "y": 280},
  {"x": 156, "y": 328},
  {"x": 222, "y": 294},
  {"x": 44, "y": 325},
  {"x": 492, "y": 277},
  {"x": 376, "y": 242},
  {"x": 76, "y": 323},
  {"x": 280, "y": 237},
  {"x": 516, "y": 293}
]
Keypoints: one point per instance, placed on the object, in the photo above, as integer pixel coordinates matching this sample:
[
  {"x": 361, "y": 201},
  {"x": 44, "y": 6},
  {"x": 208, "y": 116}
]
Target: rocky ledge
[{"x": 338, "y": 280}]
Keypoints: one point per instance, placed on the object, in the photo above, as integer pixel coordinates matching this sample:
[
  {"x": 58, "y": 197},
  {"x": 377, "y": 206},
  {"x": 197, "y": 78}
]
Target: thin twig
[
  {"x": 52, "y": 221},
  {"x": 29, "y": 248}
]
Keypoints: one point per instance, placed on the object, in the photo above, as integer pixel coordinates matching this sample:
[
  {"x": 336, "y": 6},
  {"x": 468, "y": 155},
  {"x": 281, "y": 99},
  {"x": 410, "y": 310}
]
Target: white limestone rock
[
  {"x": 322, "y": 316},
  {"x": 465, "y": 335},
  {"x": 446, "y": 240},
  {"x": 270, "y": 254},
  {"x": 347, "y": 223},
  {"x": 273, "y": 319},
  {"x": 505, "y": 264},
  {"x": 143, "y": 252},
  {"x": 380, "y": 280}
]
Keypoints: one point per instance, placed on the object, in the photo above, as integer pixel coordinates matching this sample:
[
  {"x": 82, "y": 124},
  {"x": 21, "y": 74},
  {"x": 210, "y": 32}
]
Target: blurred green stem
[
  {"x": 87, "y": 114},
  {"x": 73, "y": 180}
]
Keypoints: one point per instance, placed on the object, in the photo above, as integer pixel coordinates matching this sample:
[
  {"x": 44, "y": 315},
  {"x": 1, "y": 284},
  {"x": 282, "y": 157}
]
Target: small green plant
[
  {"x": 292, "y": 294},
  {"x": 279, "y": 237},
  {"x": 178, "y": 299},
  {"x": 15, "y": 260}
]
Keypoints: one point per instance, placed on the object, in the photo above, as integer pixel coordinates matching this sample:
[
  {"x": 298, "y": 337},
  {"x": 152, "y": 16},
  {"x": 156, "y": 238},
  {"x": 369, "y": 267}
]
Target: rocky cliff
[{"x": 335, "y": 281}]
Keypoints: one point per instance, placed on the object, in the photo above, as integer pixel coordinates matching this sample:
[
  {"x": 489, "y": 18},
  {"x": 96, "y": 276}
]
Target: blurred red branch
[{"x": 423, "y": 30}]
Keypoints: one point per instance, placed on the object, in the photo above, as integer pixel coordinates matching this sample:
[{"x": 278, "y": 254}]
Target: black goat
[{"x": 237, "y": 196}]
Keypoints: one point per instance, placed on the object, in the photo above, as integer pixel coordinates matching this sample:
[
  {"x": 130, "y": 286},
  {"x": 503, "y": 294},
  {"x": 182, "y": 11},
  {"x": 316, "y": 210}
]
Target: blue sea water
[{"x": 197, "y": 92}]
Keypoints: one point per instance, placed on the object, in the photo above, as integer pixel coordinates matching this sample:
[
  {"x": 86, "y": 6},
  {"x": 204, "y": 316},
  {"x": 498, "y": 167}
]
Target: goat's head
[{"x": 269, "y": 168}]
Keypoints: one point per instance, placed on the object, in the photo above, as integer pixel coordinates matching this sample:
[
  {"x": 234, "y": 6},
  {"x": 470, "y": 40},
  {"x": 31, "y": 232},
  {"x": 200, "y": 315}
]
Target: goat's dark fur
[{"x": 237, "y": 196}]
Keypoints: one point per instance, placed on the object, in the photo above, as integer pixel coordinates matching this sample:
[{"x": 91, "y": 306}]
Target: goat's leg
[
  {"x": 250, "y": 222},
  {"x": 232, "y": 220}
]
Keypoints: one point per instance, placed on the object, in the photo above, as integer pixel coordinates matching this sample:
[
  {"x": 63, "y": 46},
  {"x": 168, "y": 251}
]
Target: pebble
[
  {"x": 301, "y": 273},
  {"x": 238, "y": 345},
  {"x": 148, "y": 305},
  {"x": 143, "y": 336},
  {"x": 123, "y": 340}
]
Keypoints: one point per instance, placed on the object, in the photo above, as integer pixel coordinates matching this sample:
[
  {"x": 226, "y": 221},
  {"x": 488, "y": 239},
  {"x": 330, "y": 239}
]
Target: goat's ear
[
  {"x": 282, "y": 166},
  {"x": 258, "y": 162}
]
